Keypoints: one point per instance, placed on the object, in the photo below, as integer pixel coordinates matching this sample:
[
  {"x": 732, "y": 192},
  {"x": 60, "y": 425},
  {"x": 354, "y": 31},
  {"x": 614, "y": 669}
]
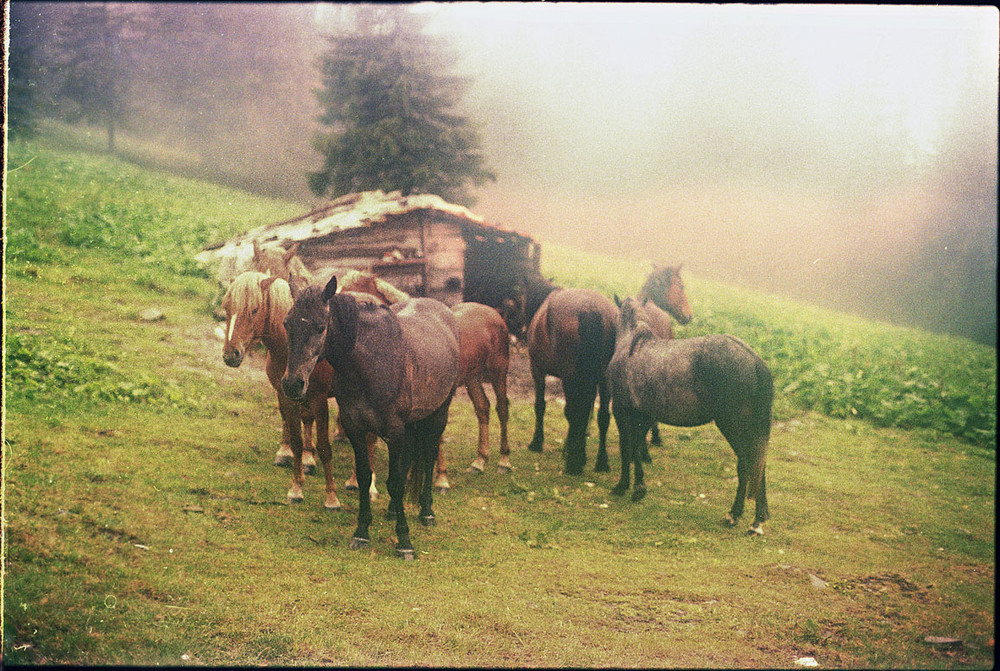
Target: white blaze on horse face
[{"x": 232, "y": 326}]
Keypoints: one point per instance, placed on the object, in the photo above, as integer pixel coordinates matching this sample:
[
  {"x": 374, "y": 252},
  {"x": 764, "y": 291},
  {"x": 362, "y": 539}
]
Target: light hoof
[
  {"x": 756, "y": 530},
  {"x": 352, "y": 484},
  {"x": 295, "y": 498},
  {"x": 405, "y": 555},
  {"x": 503, "y": 470},
  {"x": 441, "y": 484},
  {"x": 359, "y": 543},
  {"x": 428, "y": 520},
  {"x": 283, "y": 461},
  {"x": 477, "y": 466},
  {"x": 332, "y": 504}
]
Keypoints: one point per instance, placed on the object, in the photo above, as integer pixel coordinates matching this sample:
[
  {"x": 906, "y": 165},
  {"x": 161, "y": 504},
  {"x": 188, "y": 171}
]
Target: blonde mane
[{"x": 245, "y": 294}]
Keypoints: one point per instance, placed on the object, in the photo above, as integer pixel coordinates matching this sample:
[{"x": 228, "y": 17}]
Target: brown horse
[
  {"x": 395, "y": 372},
  {"x": 484, "y": 353},
  {"x": 690, "y": 382},
  {"x": 662, "y": 296},
  {"x": 485, "y": 357},
  {"x": 282, "y": 263},
  {"x": 572, "y": 337},
  {"x": 255, "y": 307}
]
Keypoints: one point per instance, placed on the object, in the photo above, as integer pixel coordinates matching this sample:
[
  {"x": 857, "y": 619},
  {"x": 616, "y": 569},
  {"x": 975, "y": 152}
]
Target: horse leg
[
  {"x": 308, "y": 449},
  {"x": 654, "y": 436},
  {"x": 761, "y": 513},
  {"x": 622, "y": 421},
  {"x": 427, "y": 438},
  {"x": 603, "y": 420},
  {"x": 440, "y": 472},
  {"x": 640, "y": 427},
  {"x": 284, "y": 457},
  {"x": 400, "y": 457},
  {"x": 734, "y": 514},
  {"x": 352, "y": 482},
  {"x": 579, "y": 406},
  {"x": 321, "y": 412},
  {"x": 292, "y": 427},
  {"x": 503, "y": 414},
  {"x": 358, "y": 439},
  {"x": 482, "y": 405},
  {"x": 536, "y": 440}
]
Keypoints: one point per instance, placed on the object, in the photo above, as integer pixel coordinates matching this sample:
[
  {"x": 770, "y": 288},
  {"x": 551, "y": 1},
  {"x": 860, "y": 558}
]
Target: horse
[
  {"x": 255, "y": 307},
  {"x": 572, "y": 337},
  {"x": 690, "y": 382},
  {"x": 395, "y": 369},
  {"x": 282, "y": 263},
  {"x": 662, "y": 295},
  {"x": 484, "y": 352}
]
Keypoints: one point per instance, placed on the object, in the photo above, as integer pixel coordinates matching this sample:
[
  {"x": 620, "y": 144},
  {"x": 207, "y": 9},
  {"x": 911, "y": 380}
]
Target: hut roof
[{"x": 351, "y": 211}]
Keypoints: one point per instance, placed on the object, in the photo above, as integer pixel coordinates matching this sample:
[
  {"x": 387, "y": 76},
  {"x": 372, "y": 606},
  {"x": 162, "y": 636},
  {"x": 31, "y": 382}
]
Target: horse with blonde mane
[{"x": 256, "y": 305}]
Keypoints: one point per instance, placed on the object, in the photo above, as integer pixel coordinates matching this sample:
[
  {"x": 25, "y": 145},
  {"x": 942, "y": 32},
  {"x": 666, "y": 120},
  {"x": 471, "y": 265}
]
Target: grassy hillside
[{"x": 146, "y": 525}]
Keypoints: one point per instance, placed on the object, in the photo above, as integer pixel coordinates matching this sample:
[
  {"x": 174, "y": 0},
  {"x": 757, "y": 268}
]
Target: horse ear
[
  {"x": 265, "y": 284},
  {"x": 331, "y": 289},
  {"x": 618, "y": 301},
  {"x": 290, "y": 253}
]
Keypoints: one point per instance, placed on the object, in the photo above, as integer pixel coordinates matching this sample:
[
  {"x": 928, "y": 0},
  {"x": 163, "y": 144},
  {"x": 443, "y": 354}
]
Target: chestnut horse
[
  {"x": 255, "y": 307},
  {"x": 484, "y": 348},
  {"x": 690, "y": 382},
  {"x": 395, "y": 372},
  {"x": 572, "y": 337}
]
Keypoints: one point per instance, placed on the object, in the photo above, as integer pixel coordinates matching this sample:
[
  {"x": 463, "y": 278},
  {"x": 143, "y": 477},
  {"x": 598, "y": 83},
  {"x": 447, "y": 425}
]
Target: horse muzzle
[
  {"x": 294, "y": 388},
  {"x": 233, "y": 357}
]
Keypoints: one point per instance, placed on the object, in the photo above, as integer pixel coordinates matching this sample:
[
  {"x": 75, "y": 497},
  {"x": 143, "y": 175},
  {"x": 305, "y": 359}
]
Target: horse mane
[
  {"x": 633, "y": 318},
  {"x": 364, "y": 282},
  {"x": 245, "y": 294}
]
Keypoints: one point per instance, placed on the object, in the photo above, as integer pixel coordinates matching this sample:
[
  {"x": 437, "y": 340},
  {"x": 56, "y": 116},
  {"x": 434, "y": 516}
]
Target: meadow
[{"x": 145, "y": 524}]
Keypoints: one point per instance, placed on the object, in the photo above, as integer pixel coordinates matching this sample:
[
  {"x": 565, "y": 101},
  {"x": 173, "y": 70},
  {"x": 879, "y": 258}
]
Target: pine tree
[
  {"x": 390, "y": 105},
  {"x": 92, "y": 52}
]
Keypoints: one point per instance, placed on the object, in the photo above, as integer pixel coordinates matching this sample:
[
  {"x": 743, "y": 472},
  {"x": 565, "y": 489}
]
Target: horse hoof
[
  {"x": 729, "y": 520},
  {"x": 283, "y": 462},
  {"x": 639, "y": 494},
  {"x": 619, "y": 490},
  {"x": 359, "y": 543},
  {"x": 405, "y": 555},
  {"x": 535, "y": 447},
  {"x": 333, "y": 505},
  {"x": 477, "y": 466},
  {"x": 308, "y": 470},
  {"x": 351, "y": 488},
  {"x": 427, "y": 520},
  {"x": 602, "y": 468},
  {"x": 295, "y": 498},
  {"x": 503, "y": 470},
  {"x": 756, "y": 530},
  {"x": 441, "y": 490}
]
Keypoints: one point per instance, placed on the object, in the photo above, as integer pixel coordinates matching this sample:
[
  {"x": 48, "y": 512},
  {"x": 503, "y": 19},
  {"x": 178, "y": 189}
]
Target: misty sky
[{"x": 712, "y": 120}]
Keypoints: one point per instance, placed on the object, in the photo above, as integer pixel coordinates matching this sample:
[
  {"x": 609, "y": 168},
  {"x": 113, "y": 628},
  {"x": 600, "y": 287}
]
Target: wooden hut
[{"x": 421, "y": 244}]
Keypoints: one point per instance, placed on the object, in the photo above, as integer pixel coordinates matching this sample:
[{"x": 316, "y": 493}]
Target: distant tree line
[{"x": 242, "y": 86}]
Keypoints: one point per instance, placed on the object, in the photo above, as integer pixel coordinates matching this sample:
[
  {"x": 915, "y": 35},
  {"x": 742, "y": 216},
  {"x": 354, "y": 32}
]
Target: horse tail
[
  {"x": 418, "y": 470},
  {"x": 590, "y": 354},
  {"x": 760, "y": 426}
]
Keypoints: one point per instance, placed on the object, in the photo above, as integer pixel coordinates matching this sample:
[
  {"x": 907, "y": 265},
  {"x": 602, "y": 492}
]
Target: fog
[{"x": 845, "y": 155}]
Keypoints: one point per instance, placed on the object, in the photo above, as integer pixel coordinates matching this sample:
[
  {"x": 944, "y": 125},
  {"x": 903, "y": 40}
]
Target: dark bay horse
[
  {"x": 394, "y": 374},
  {"x": 662, "y": 295},
  {"x": 255, "y": 307},
  {"x": 572, "y": 337},
  {"x": 690, "y": 382}
]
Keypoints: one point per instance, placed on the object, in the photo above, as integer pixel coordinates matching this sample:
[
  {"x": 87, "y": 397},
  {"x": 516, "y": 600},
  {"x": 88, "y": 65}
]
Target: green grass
[{"x": 145, "y": 524}]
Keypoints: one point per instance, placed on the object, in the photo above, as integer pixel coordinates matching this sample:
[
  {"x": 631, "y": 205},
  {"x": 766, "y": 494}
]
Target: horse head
[
  {"x": 320, "y": 323},
  {"x": 666, "y": 289},
  {"x": 247, "y": 306}
]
